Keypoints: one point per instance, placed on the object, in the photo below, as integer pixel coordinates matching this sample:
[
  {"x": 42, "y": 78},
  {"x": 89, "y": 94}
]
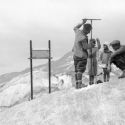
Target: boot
[
  {"x": 77, "y": 85},
  {"x": 83, "y": 85},
  {"x": 90, "y": 83},
  {"x": 91, "y": 80}
]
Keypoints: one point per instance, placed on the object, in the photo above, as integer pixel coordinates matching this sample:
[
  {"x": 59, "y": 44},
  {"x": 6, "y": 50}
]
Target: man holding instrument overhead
[{"x": 80, "y": 48}]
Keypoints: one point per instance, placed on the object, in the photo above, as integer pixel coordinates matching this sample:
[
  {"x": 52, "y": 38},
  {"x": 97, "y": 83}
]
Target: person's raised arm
[
  {"x": 98, "y": 43},
  {"x": 79, "y": 25},
  {"x": 100, "y": 56}
]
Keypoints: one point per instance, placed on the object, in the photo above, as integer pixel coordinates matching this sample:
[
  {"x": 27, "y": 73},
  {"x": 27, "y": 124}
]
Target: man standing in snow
[
  {"x": 118, "y": 56},
  {"x": 80, "y": 53}
]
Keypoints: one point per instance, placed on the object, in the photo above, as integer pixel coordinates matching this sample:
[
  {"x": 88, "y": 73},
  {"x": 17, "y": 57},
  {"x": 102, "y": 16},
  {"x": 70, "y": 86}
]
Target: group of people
[{"x": 85, "y": 52}]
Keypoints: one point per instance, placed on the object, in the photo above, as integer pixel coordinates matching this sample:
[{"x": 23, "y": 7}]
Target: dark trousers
[
  {"x": 80, "y": 67},
  {"x": 106, "y": 74}
]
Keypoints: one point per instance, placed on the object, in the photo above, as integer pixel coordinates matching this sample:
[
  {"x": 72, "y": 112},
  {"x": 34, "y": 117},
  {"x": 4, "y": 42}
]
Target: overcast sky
[{"x": 43, "y": 20}]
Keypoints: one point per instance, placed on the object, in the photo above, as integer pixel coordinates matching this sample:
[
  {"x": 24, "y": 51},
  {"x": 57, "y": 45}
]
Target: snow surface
[
  {"x": 18, "y": 89},
  {"x": 102, "y": 104}
]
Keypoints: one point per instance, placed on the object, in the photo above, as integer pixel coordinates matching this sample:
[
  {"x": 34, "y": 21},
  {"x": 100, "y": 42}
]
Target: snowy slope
[
  {"x": 102, "y": 104},
  {"x": 18, "y": 89},
  {"x": 15, "y": 87}
]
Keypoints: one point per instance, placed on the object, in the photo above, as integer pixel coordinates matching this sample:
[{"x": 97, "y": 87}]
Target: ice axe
[{"x": 91, "y": 80}]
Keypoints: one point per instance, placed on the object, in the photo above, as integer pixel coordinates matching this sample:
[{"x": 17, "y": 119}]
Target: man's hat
[{"x": 115, "y": 42}]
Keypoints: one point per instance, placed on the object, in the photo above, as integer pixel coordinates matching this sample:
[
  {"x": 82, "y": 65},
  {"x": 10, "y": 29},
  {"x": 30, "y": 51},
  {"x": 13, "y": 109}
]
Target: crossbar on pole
[{"x": 92, "y": 19}]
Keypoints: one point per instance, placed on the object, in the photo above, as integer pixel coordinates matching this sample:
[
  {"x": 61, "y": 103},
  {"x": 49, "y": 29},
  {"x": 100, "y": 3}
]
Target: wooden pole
[
  {"x": 49, "y": 64},
  {"x": 31, "y": 70},
  {"x": 91, "y": 61},
  {"x": 91, "y": 29}
]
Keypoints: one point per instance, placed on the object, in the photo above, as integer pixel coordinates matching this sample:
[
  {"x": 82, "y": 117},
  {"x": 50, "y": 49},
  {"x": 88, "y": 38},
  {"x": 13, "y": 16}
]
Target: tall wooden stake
[
  {"x": 49, "y": 64},
  {"x": 31, "y": 69},
  {"x": 91, "y": 61}
]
